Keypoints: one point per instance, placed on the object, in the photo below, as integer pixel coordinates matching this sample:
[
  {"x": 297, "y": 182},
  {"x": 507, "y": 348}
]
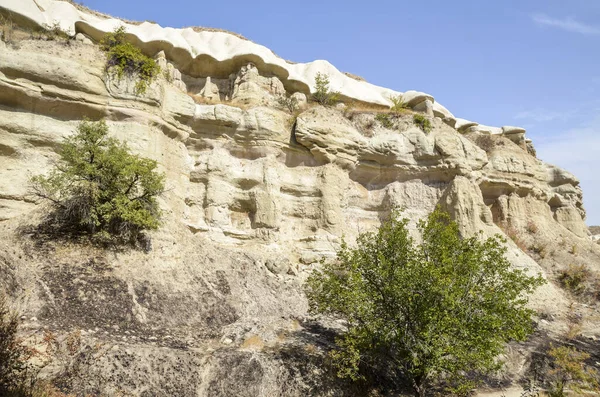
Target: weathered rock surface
[{"x": 256, "y": 197}]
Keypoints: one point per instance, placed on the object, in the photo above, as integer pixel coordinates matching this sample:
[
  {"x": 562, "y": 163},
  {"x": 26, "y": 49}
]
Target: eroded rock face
[{"x": 256, "y": 197}]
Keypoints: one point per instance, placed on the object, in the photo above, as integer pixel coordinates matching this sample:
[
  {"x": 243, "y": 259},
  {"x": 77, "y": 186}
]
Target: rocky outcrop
[
  {"x": 255, "y": 198},
  {"x": 207, "y": 55}
]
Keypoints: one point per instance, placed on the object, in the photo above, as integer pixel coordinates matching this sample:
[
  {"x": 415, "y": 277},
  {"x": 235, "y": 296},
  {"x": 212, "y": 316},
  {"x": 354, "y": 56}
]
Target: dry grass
[
  {"x": 254, "y": 342},
  {"x": 532, "y": 227},
  {"x": 574, "y": 326},
  {"x": 514, "y": 235}
]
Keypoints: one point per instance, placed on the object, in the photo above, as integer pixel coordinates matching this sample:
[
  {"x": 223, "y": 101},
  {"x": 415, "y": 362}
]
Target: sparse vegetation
[
  {"x": 54, "y": 32},
  {"x": 575, "y": 278},
  {"x": 8, "y": 29},
  {"x": 532, "y": 227},
  {"x": 100, "y": 189},
  {"x": 398, "y": 105},
  {"x": 568, "y": 371},
  {"x": 385, "y": 120},
  {"x": 323, "y": 94},
  {"x": 14, "y": 372},
  {"x": 422, "y": 122},
  {"x": 126, "y": 59},
  {"x": 540, "y": 249},
  {"x": 514, "y": 235},
  {"x": 423, "y": 312},
  {"x": 288, "y": 103}
]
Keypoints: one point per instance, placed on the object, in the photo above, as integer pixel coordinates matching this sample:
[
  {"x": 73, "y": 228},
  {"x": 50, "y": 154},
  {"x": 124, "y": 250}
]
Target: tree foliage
[
  {"x": 126, "y": 59},
  {"x": 98, "y": 187},
  {"x": 437, "y": 309},
  {"x": 323, "y": 94}
]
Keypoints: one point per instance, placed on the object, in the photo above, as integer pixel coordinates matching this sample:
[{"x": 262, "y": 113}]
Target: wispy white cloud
[
  {"x": 540, "y": 115},
  {"x": 569, "y": 24}
]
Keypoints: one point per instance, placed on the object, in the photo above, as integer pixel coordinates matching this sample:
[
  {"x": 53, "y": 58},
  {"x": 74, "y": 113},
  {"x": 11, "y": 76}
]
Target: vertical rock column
[
  {"x": 266, "y": 198},
  {"x": 219, "y": 193},
  {"x": 333, "y": 183}
]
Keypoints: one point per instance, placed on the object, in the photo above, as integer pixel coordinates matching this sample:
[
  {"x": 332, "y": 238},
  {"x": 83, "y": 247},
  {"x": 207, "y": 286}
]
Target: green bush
[
  {"x": 99, "y": 188},
  {"x": 439, "y": 309},
  {"x": 422, "y": 122},
  {"x": 126, "y": 59},
  {"x": 323, "y": 94},
  {"x": 385, "y": 120},
  {"x": 398, "y": 105}
]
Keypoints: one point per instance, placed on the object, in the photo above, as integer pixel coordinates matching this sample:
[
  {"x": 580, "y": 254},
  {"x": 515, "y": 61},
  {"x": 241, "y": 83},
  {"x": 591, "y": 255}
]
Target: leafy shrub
[
  {"x": 574, "y": 278},
  {"x": 323, "y": 94},
  {"x": 398, "y": 105},
  {"x": 289, "y": 103},
  {"x": 126, "y": 59},
  {"x": 422, "y": 122},
  {"x": 568, "y": 369},
  {"x": 440, "y": 308},
  {"x": 385, "y": 120},
  {"x": 99, "y": 188}
]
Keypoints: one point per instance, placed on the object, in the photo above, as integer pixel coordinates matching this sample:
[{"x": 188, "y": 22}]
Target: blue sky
[{"x": 532, "y": 63}]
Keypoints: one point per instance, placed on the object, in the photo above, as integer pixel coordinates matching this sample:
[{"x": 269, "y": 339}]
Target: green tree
[
  {"x": 323, "y": 93},
  {"x": 98, "y": 187},
  {"x": 437, "y": 309}
]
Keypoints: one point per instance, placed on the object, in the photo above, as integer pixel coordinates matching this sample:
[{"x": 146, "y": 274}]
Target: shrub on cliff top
[
  {"x": 323, "y": 94},
  {"x": 125, "y": 58},
  {"x": 422, "y": 122},
  {"x": 99, "y": 188},
  {"x": 439, "y": 309}
]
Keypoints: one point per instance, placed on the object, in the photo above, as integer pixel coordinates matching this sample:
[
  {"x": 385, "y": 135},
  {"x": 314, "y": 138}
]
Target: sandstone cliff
[{"x": 256, "y": 197}]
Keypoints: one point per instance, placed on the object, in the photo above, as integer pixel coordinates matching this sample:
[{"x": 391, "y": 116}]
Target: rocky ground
[{"x": 256, "y": 197}]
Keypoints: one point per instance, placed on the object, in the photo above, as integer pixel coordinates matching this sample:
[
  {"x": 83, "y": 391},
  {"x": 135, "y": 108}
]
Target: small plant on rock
[
  {"x": 532, "y": 227},
  {"x": 54, "y": 32},
  {"x": 323, "y": 94},
  {"x": 126, "y": 59},
  {"x": 422, "y": 122},
  {"x": 568, "y": 370},
  {"x": 8, "y": 29},
  {"x": 574, "y": 278},
  {"x": 99, "y": 188},
  {"x": 288, "y": 103},
  {"x": 385, "y": 120},
  {"x": 398, "y": 105}
]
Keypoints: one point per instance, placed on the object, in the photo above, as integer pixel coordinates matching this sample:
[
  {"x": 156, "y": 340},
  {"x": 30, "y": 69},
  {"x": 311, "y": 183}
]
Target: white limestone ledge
[{"x": 218, "y": 54}]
